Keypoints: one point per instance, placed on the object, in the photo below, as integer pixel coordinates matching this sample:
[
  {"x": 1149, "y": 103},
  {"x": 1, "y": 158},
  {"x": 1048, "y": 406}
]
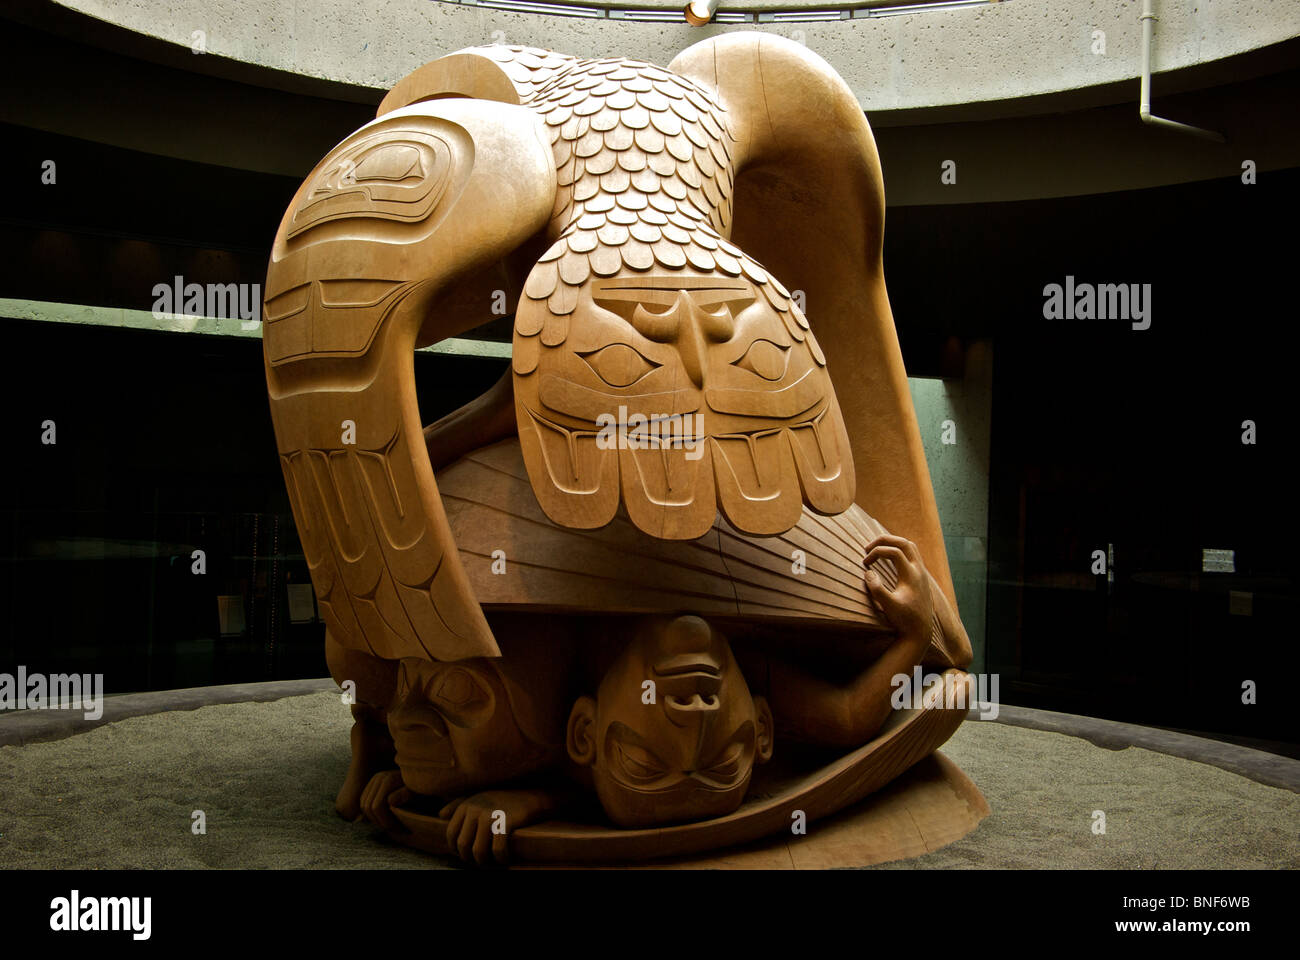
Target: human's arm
[
  {"x": 949, "y": 644},
  {"x": 814, "y": 710}
]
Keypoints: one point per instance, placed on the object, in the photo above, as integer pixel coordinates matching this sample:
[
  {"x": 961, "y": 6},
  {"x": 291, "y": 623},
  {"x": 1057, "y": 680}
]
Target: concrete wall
[
  {"x": 155, "y": 96},
  {"x": 959, "y": 473},
  {"x": 1011, "y": 49}
]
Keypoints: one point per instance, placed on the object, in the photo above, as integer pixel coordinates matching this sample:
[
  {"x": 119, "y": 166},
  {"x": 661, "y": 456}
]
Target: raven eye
[
  {"x": 766, "y": 359},
  {"x": 618, "y": 364}
]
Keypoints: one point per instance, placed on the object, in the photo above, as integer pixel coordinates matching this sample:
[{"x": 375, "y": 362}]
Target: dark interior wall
[
  {"x": 1130, "y": 441},
  {"x": 115, "y": 222},
  {"x": 164, "y": 446}
]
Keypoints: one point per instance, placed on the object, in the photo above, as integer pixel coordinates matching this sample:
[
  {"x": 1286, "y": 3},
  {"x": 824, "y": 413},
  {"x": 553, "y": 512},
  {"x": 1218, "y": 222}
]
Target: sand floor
[{"x": 265, "y": 775}]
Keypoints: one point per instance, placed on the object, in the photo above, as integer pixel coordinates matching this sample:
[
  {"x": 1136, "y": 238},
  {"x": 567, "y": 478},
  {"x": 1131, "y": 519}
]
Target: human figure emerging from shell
[{"x": 645, "y": 563}]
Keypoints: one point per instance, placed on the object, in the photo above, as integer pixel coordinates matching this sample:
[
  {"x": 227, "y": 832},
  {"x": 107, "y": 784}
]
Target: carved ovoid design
[
  {"x": 603, "y": 630},
  {"x": 381, "y": 178}
]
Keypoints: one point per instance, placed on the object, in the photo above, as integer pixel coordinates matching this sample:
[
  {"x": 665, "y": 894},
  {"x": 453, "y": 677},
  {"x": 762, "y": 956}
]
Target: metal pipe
[
  {"x": 700, "y": 12},
  {"x": 1144, "y": 107}
]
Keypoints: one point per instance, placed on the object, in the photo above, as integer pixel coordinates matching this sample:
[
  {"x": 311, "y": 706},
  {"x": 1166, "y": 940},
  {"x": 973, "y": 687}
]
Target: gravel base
[{"x": 265, "y": 774}]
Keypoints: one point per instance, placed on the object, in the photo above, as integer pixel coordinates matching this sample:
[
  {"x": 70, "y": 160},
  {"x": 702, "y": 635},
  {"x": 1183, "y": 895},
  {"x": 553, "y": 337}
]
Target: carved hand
[
  {"x": 471, "y": 833},
  {"x": 905, "y": 599},
  {"x": 384, "y": 791}
]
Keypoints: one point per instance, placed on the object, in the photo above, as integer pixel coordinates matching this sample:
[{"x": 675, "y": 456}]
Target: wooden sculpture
[{"x": 658, "y": 553}]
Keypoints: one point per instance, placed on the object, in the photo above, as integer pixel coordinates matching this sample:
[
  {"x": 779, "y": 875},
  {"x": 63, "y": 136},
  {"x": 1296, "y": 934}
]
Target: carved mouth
[
  {"x": 440, "y": 757},
  {"x": 424, "y": 763},
  {"x": 759, "y": 480}
]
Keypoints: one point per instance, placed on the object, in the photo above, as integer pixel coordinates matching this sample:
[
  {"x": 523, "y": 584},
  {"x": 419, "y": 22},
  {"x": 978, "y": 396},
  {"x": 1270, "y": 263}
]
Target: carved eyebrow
[
  {"x": 658, "y": 281},
  {"x": 670, "y": 282},
  {"x": 677, "y": 285},
  {"x": 666, "y": 296}
]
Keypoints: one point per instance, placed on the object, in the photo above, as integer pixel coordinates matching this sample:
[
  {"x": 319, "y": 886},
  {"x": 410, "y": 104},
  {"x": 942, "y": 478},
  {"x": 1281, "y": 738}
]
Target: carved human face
[
  {"x": 689, "y": 754},
  {"x": 454, "y": 729},
  {"x": 717, "y": 392}
]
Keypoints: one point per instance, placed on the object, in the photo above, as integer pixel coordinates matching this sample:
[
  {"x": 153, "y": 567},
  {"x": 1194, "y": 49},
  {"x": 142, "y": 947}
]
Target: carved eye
[
  {"x": 456, "y": 687},
  {"x": 459, "y": 697},
  {"x": 618, "y": 364},
  {"x": 728, "y": 765},
  {"x": 637, "y": 762},
  {"x": 765, "y": 359},
  {"x": 395, "y": 162}
]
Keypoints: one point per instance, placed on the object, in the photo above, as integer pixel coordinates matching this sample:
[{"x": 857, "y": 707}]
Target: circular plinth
[{"x": 784, "y": 805}]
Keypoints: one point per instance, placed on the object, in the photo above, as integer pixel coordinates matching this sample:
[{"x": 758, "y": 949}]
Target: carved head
[
  {"x": 674, "y": 732},
  {"x": 467, "y": 724},
  {"x": 677, "y": 390}
]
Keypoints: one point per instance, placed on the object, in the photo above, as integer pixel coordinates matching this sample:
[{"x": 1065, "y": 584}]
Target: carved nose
[
  {"x": 696, "y": 705},
  {"x": 694, "y": 330},
  {"x": 690, "y": 674},
  {"x": 685, "y": 708},
  {"x": 418, "y": 718},
  {"x": 688, "y": 339}
]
